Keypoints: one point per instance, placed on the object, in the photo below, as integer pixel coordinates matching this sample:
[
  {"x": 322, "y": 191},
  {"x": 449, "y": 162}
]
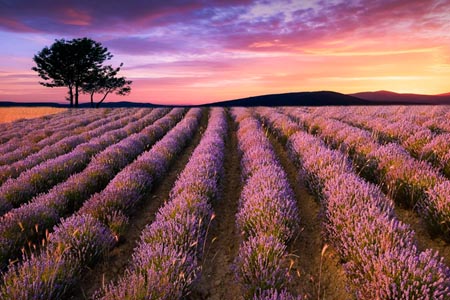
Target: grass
[{"x": 9, "y": 114}]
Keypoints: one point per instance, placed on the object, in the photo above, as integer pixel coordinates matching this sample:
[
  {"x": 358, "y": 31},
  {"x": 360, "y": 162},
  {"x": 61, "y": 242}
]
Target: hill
[
  {"x": 398, "y": 98},
  {"x": 320, "y": 98},
  {"x": 82, "y": 105},
  {"x": 295, "y": 99}
]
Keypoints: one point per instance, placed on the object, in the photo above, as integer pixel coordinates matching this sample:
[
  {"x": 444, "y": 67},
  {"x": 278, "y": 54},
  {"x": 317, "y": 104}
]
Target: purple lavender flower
[
  {"x": 83, "y": 238},
  {"x": 273, "y": 294},
  {"x": 44, "y": 277},
  {"x": 165, "y": 261},
  {"x": 160, "y": 272},
  {"x": 261, "y": 264},
  {"x": 436, "y": 208},
  {"x": 381, "y": 259},
  {"x": 44, "y": 176}
]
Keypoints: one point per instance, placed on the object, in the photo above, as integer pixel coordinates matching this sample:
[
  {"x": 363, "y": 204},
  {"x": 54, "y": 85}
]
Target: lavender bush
[
  {"x": 381, "y": 259},
  {"x": 82, "y": 238},
  {"x": 261, "y": 265},
  {"x": 18, "y": 227},
  {"x": 42, "y": 177},
  {"x": 79, "y": 249},
  {"x": 410, "y": 182},
  {"x": 165, "y": 263},
  {"x": 268, "y": 215},
  {"x": 37, "y": 131},
  {"x": 274, "y": 294},
  {"x": 51, "y": 147}
]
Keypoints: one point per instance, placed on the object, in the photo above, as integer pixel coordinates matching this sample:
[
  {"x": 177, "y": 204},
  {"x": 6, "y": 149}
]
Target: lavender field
[{"x": 227, "y": 203}]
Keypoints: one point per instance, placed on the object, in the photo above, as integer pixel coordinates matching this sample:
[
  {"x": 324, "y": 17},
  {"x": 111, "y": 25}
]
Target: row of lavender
[
  {"x": 407, "y": 180},
  {"x": 39, "y": 133},
  {"x": 167, "y": 259},
  {"x": 435, "y": 118},
  {"x": 10, "y": 129},
  {"x": 31, "y": 129},
  {"x": 81, "y": 240},
  {"x": 28, "y": 156},
  {"x": 33, "y": 140},
  {"x": 420, "y": 141},
  {"x": 16, "y": 191},
  {"x": 81, "y": 126},
  {"x": 380, "y": 255},
  {"x": 6, "y": 127},
  {"x": 29, "y": 222},
  {"x": 267, "y": 217}
]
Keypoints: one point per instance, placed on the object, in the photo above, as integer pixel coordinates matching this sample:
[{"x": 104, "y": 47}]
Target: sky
[{"x": 191, "y": 52}]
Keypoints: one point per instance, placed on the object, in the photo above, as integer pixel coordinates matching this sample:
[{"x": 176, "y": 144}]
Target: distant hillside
[
  {"x": 31, "y": 104},
  {"x": 288, "y": 99},
  {"x": 295, "y": 99},
  {"x": 82, "y": 105},
  {"x": 396, "y": 98},
  {"x": 320, "y": 98}
]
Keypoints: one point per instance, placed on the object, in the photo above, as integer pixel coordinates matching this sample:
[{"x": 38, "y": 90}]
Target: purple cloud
[
  {"x": 72, "y": 16},
  {"x": 202, "y": 26}
]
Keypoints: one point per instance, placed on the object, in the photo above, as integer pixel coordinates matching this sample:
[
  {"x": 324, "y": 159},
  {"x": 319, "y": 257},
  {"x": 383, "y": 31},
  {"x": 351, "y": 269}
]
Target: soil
[
  {"x": 218, "y": 281},
  {"x": 113, "y": 266},
  {"x": 423, "y": 237},
  {"x": 318, "y": 276}
]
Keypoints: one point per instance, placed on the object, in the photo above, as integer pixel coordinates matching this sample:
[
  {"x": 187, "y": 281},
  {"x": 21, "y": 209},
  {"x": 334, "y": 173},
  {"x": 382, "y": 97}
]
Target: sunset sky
[{"x": 184, "y": 52}]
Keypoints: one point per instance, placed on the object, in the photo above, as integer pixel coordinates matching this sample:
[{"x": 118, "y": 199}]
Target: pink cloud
[
  {"x": 15, "y": 25},
  {"x": 72, "y": 16}
]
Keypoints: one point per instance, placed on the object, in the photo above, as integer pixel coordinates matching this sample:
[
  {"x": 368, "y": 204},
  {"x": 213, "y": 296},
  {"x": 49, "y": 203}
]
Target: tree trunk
[
  {"x": 71, "y": 96},
  {"x": 76, "y": 94},
  {"x": 92, "y": 99},
  {"x": 103, "y": 99}
]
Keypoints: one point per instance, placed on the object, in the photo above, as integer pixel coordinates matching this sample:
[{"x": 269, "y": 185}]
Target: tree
[
  {"x": 105, "y": 81},
  {"x": 70, "y": 63}
]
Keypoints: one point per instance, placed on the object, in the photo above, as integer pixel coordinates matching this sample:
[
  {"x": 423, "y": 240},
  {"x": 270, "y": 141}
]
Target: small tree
[
  {"x": 70, "y": 63},
  {"x": 105, "y": 81}
]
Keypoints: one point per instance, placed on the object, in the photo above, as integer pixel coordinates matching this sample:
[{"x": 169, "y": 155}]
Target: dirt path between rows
[
  {"x": 423, "y": 237},
  {"x": 119, "y": 258},
  {"x": 218, "y": 281},
  {"x": 313, "y": 282}
]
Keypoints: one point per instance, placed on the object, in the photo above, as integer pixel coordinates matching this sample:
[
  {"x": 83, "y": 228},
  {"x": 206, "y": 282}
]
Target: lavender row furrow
[
  {"x": 267, "y": 216},
  {"x": 57, "y": 117},
  {"x": 33, "y": 129},
  {"x": 47, "y": 130},
  {"x": 166, "y": 261},
  {"x": 421, "y": 142},
  {"x": 18, "y": 227},
  {"x": 16, "y": 165},
  {"x": 74, "y": 246},
  {"x": 434, "y": 117},
  {"x": 380, "y": 255},
  {"x": 42, "y": 177},
  {"x": 410, "y": 182},
  {"x": 101, "y": 119},
  {"x": 11, "y": 129}
]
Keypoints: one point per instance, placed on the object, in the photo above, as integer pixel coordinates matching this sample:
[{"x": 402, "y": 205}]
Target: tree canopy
[
  {"x": 105, "y": 81},
  {"x": 78, "y": 65}
]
